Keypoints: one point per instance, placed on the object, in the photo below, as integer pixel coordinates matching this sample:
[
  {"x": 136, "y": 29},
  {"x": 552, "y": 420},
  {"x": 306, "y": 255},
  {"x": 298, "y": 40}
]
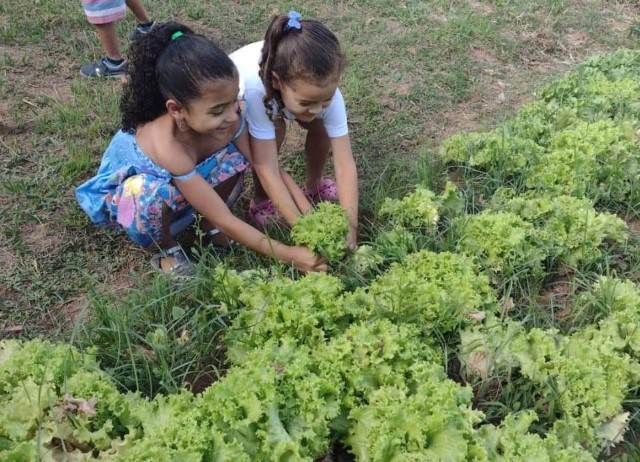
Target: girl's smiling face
[
  {"x": 215, "y": 112},
  {"x": 306, "y": 100}
]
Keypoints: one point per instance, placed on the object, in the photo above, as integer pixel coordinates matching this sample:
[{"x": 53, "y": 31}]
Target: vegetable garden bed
[{"x": 430, "y": 343}]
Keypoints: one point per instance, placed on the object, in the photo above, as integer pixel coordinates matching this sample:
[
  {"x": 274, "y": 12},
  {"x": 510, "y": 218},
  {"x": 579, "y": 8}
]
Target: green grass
[
  {"x": 418, "y": 71},
  {"x": 163, "y": 338}
]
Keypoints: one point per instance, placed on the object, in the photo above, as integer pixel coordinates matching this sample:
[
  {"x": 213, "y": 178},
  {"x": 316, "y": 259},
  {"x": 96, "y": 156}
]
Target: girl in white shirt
[{"x": 293, "y": 74}]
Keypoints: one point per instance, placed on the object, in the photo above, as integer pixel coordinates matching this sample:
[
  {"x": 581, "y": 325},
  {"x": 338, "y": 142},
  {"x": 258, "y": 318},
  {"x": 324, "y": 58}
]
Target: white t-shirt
[{"x": 247, "y": 60}]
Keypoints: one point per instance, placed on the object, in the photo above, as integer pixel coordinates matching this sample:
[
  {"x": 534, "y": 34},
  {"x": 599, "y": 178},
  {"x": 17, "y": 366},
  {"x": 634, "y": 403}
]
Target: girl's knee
[
  {"x": 230, "y": 189},
  {"x": 141, "y": 204}
]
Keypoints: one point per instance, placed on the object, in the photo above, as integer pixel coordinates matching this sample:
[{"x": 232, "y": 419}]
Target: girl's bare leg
[
  {"x": 224, "y": 189},
  {"x": 139, "y": 10},
  {"x": 109, "y": 40},
  {"x": 166, "y": 239},
  {"x": 317, "y": 147}
]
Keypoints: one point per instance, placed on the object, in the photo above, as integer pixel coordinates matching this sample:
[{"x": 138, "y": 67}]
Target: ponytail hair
[
  {"x": 171, "y": 61},
  {"x": 308, "y": 51}
]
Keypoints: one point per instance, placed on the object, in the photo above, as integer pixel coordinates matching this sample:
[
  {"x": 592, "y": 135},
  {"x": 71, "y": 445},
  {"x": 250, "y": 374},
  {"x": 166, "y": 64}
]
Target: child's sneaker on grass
[
  {"x": 104, "y": 68},
  {"x": 141, "y": 30}
]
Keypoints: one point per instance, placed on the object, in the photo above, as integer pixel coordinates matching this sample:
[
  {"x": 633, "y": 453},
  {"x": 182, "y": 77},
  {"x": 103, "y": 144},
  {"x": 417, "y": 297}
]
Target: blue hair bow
[{"x": 294, "y": 21}]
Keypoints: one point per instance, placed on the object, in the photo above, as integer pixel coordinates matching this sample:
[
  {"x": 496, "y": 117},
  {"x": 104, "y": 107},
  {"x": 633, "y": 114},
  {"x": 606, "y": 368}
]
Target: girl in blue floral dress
[{"x": 183, "y": 148}]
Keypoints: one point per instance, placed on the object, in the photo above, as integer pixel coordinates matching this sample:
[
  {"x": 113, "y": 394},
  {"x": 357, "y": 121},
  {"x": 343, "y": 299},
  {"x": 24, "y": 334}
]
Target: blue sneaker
[
  {"x": 102, "y": 68},
  {"x": 141, "y": 31}
]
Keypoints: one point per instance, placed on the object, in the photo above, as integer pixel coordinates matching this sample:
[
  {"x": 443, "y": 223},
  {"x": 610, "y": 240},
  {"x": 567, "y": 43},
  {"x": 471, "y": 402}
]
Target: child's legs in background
[
  {"x": 103, "y": 14},
  {"x": 317, "y": 148},
  {"x": 139, "y": 10},
  {"x": 109, "y": 40}
]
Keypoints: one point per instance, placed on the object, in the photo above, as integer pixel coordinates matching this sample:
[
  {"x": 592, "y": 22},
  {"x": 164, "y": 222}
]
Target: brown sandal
[{"x": 181, "y": 267}]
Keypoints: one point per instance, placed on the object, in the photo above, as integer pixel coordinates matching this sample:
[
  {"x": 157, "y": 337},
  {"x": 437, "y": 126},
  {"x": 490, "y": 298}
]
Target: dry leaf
[
  {"x": 477, "y": 316},
  {"x": 613, "y": 430},
  {"x": 480, "y": 363},
  {"x": 11, "y": 329},
  {"x": 77, "y": 406},
  {"x": 150, "y": 355}
]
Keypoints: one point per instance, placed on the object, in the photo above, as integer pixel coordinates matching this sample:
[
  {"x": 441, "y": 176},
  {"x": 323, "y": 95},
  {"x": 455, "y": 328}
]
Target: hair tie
[
  {"x": 294, "y": 21},
  {"x": 176, "y": 35}
]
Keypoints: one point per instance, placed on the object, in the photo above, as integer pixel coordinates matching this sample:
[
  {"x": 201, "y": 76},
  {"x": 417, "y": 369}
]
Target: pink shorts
[{"x": 104, "y": 11}]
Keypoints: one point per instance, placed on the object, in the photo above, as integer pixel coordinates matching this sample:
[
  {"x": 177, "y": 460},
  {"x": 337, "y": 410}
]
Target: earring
[{"x": 180, "y": 125}]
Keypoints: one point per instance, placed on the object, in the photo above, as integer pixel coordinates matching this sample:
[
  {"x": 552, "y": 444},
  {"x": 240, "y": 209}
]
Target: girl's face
[
  {"x": 306, "y": 100},
  {"x": 215, "y": 112}
]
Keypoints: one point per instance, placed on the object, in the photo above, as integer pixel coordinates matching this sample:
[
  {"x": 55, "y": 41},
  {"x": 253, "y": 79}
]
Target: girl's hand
[{"x": 305, "y": 260}]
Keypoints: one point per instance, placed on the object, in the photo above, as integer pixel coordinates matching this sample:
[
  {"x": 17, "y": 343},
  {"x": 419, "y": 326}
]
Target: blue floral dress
[{"x": 129, "y": 190}]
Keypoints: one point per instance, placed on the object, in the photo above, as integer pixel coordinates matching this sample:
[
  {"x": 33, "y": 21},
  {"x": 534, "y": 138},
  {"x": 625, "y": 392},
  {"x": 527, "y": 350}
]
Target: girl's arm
[
  {"x": 277, "y": 187},
  {"x": 206, "y": 201},
  {"x": 243, "y": 145},
  {"x": 202, "y": 197},
  {"x": 347, "y": 183},
  {"x": 298, "y": 196},
  {"x": 301, "y": 201}
]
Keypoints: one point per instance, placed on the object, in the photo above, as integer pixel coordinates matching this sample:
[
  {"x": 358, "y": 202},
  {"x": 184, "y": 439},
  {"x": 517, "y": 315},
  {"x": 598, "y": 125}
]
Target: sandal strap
[
  {"x": 173, "y": 251},
  {"x": 214, "y": 232},
  {"x": 263, "y": 213},
  {"x": 264, "y": 204}
]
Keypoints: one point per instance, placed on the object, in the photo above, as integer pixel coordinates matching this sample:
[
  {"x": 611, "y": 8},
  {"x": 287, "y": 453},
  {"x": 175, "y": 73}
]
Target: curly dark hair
[
  {"x": 311, "y": 53},
  {"x": 163, "y": 66}
]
